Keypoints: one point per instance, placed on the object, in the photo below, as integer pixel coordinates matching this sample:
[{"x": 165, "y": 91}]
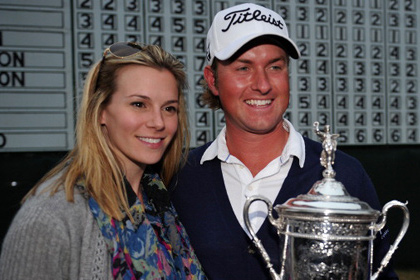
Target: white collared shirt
[{"x": 240, "y": 183}]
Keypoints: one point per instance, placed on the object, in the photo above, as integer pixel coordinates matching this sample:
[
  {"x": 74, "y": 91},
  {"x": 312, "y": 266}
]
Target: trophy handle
[
  {"x": 257, "y": 242},
  {"x": 404, "y": 227}
]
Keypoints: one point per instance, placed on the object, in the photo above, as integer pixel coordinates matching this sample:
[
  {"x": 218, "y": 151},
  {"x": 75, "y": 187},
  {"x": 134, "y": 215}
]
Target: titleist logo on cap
[{"x": 240, "y": 16}]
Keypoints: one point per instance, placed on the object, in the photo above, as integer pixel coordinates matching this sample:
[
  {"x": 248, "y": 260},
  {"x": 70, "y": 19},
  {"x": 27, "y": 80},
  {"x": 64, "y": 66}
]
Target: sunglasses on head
[{"x": 119, "y": 50}]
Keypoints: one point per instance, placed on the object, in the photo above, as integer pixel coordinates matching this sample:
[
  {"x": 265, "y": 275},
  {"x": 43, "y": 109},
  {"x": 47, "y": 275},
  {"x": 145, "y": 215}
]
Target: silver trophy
[{"x": 326, "y": 233}]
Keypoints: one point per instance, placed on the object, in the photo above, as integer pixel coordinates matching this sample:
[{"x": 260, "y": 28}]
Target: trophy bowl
[{"x": 326, "y": 233}]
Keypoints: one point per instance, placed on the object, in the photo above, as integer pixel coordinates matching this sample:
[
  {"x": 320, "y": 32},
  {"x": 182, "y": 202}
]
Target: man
[{"x": 257, "y": 153}]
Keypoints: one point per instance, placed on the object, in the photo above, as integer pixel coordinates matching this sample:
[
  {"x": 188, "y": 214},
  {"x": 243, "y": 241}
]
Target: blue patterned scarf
[{"x": 156, "y": 245}]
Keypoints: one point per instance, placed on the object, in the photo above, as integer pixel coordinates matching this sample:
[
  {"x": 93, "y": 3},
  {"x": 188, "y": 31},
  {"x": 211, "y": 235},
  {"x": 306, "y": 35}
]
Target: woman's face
[{"x": 141, "y": 117}]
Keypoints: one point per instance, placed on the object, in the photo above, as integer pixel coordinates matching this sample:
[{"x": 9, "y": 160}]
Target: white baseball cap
[{"x": 233, "y": 27}]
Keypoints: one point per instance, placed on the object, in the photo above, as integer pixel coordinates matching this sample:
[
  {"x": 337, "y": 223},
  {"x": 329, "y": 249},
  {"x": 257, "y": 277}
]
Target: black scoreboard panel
[{"x": 359, "y": 70}]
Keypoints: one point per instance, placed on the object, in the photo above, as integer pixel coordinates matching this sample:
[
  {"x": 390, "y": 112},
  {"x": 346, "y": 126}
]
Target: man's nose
[{"x": 261, "y": 82}]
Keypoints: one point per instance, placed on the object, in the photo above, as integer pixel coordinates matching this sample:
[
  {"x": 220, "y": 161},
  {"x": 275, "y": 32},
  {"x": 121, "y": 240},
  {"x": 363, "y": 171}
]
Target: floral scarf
[{"x": 156, "y": 245}]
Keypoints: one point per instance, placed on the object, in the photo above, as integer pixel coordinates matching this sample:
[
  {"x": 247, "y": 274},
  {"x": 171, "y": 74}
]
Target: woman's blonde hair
[{"x": 92, "y": 159}]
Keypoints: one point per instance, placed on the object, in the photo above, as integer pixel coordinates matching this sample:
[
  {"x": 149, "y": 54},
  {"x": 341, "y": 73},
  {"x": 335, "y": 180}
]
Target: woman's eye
[
  {"x": 138, "y": 104},
  {"x": 171, "y": 109}
]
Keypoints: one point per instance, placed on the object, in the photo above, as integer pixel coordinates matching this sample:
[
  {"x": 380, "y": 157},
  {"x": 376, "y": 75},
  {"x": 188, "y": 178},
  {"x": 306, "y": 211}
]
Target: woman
[{"x": 104, "y": 212}]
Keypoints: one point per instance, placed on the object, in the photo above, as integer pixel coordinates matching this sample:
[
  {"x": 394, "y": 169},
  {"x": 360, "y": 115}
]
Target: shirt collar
[
  {"x": 295, "y": 146},
  {"x": 217, "y": 149}
]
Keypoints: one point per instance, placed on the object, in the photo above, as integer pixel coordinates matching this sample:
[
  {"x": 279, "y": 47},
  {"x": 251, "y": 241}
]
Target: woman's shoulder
[
  {"x": 47, "y": 222},
  {"x": 45, "y": 207}
]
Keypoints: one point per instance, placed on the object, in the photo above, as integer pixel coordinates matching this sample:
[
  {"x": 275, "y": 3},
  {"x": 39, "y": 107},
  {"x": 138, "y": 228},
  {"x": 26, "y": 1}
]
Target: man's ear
[{"x": 210, "y": 77}]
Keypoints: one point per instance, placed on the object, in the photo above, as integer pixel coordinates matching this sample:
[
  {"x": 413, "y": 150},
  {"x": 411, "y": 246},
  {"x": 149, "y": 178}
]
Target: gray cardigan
[{"x": 51, "y": 238}]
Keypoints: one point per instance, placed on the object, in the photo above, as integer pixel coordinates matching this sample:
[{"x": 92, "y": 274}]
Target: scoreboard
[{"x": 359, "y": 70}]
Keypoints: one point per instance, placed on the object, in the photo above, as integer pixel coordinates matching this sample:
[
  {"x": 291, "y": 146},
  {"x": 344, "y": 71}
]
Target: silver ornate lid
[{"x": 328, "y": 197}]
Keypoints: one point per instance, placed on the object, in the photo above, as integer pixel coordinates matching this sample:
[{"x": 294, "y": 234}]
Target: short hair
[{"x": 208, "y": 98}]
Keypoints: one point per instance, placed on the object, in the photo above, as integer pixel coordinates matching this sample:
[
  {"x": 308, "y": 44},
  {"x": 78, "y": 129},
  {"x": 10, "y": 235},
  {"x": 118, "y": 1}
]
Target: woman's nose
[{"x": 156, "y": 120}]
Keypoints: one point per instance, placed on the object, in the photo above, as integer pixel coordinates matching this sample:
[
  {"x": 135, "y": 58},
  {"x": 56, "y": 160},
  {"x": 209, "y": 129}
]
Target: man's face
[{"x": 253, "y": 88}]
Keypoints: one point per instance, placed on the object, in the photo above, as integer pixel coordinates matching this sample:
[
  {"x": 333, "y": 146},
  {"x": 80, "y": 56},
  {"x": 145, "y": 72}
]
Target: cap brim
[{"x": 288, "y": 45}]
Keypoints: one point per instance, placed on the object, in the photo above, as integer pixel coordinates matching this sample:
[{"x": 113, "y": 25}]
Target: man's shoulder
[
  {"x": 313, "y": 151},
  {"x": 195, "y": 154},
  {"x": 193, "y": 167}
]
